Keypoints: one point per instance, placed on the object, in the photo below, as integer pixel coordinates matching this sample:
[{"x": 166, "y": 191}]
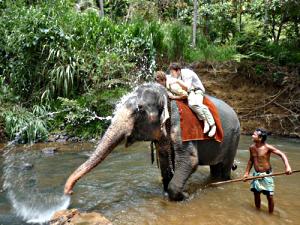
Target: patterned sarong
[{"x": 264, "y": 185}]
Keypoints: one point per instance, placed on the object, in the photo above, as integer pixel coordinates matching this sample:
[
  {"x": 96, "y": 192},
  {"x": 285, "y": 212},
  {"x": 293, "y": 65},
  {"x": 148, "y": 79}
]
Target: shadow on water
[{"x": 127, "y": 189}]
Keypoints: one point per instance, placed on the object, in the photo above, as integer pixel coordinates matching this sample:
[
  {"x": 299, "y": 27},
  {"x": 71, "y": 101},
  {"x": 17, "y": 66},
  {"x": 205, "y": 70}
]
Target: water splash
[
  {"x": 32, "y": 200},
  {"x": 41, "y": 211}
]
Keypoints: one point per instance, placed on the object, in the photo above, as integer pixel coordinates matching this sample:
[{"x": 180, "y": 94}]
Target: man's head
[
  {"x": 259, "y": 135},
  {"x": 175, "y": 69},
  {"x": 160, "y": 77}
]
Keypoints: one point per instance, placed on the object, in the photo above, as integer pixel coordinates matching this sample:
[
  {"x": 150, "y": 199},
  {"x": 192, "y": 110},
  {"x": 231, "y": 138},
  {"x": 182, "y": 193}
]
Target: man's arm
[
  {"x": 249, "y": 165},
  {"x": 176, "y": 97},
  {"x": 182, "y": 84},
  {"x": 276, "y": 151}
]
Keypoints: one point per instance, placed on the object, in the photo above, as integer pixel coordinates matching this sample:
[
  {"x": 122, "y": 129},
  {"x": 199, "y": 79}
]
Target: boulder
[
  {"x": 49, "y": 150},
  {"x": 26, "y": 166},
  {"x": 74, "y": 217}
]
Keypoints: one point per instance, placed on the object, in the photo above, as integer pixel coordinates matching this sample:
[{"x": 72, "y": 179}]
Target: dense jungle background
[{"x": 64, "y": 64}]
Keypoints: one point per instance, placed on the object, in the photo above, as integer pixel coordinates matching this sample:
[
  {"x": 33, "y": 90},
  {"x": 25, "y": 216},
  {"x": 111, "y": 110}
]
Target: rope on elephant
[{"x": 154, "y": 148}]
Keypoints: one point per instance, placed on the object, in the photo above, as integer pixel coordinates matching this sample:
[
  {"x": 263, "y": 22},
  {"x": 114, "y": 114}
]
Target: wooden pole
[{"x": 250, "y": 178}]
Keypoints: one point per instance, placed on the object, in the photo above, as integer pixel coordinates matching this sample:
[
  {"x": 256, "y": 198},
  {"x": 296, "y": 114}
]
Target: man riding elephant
[{"x": 196, "y": 91}]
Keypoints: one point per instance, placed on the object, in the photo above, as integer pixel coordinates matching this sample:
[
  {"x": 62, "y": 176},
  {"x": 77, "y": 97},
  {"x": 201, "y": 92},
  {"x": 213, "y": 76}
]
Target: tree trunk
[
  {"x": 283, "y": 20},
  {"x": 101, "y": 10},
  {"x": 279, "y": 32},
  {"x": 195, "y": 23},
  {"x": 240, "y": 15},
  {"x": 273, "y": 27},
  {"x": 266, "y": 16},
  {"x": 296, "y": 28},
  {"x": 207, "y": 21}
]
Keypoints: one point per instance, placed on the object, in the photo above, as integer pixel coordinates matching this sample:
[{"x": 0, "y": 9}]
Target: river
[{"x": 126, "y": 188}]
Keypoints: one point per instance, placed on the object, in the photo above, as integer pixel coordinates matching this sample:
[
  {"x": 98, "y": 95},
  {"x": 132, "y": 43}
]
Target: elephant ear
[{"x": 164, "y": 115}]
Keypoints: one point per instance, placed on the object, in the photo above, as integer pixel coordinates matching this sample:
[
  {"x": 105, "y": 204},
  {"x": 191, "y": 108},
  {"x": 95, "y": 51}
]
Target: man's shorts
[{"x": 263, "y": 185}]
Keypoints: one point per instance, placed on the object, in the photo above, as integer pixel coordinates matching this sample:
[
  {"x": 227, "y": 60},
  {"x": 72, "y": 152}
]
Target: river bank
[{"x": 263, "y": 95}]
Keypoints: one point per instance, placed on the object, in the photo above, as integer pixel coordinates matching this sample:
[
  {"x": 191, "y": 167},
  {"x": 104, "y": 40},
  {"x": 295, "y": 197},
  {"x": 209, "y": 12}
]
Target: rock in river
[
  {"x": 74, "y": 217},
  {"x": 49, "y": 150}
]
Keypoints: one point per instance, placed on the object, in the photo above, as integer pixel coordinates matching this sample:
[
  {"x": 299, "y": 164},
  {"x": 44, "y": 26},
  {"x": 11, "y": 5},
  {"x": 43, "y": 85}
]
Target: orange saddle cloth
[{"x": 192, "y": 127}]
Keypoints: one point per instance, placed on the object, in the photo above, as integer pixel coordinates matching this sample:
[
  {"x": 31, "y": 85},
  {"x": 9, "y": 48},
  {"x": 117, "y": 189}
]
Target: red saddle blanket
[{"x": 192, "y": 127}]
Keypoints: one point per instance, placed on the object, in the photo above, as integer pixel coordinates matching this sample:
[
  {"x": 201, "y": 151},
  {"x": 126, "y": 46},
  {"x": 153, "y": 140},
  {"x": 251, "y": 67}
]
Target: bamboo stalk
[{"x": 250, "y": 178}]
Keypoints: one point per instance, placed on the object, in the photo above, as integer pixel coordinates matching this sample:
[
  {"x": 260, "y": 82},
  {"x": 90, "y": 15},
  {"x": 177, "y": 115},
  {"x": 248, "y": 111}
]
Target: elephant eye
[{"x": 140, "y": 109}]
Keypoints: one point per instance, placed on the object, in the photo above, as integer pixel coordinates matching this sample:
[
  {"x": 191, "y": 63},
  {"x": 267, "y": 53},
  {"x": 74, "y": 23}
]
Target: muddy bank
[{"x": 263, "y": 95}]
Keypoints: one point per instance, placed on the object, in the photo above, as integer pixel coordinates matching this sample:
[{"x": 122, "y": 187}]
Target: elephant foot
[
  {"x": 176, "y": 195},
  {"x": 185, "y": 195},
  {"x": 181, "y": 196}
]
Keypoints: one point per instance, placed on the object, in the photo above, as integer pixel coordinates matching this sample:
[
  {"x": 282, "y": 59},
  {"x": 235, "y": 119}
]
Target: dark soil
[{"x": 262, "y": 94}]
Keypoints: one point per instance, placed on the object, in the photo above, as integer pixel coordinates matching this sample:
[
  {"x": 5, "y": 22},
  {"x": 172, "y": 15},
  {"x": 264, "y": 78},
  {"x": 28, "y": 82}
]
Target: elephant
[{"x": 146, "y": 114}]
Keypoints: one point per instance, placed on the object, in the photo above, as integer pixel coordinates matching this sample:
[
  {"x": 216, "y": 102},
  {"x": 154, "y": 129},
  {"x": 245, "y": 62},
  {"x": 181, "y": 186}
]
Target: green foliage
[
  {"x": 176, "y": 41},
  {"x": 257, "y": 47},
  {"x": 275, "y": 17},
  {"x": 24, "y": 126},
  {"x": 138, "y": 9},
  {"x": 61, "y": 52},
  {"x": 90, "y": 115},
  {"x": 6, "y": 94},
  {"x": 38, "y": 51},
  {"x": 207, "y": 51},
  {"x": 116, "y": 9},
  {"x": 220, "y": 21}
]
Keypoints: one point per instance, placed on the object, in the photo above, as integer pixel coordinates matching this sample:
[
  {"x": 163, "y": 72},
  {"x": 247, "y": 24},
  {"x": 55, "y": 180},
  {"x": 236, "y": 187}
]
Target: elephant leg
[
  {"x": 216, "y": 171},
  {"x": 221, "y": 171},
  {"x": 165, "y": 162},
  {"x": 229, "y": 161},
  {"x": 226, "y": 173},
  {"x": 186, "y": 164}
]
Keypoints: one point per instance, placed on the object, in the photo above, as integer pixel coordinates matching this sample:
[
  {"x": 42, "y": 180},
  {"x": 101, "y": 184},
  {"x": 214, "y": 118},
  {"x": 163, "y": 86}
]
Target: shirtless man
[{"x": 260, "y": 153}]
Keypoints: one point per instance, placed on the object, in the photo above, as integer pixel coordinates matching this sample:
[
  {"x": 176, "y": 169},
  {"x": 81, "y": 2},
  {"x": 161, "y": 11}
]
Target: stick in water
[{"x": 251, "y": 178}]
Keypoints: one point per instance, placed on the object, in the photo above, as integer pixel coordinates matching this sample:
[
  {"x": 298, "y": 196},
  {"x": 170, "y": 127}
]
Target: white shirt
[
  {"x": 191, "y": 79},
  {"x": 174, "y": 87}
]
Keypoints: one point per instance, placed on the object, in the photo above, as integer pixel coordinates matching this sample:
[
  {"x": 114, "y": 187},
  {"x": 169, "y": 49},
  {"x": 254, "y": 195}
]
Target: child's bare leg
[
  {"x": 257, "y": 199},
  {"x": 270, "y": 203}
]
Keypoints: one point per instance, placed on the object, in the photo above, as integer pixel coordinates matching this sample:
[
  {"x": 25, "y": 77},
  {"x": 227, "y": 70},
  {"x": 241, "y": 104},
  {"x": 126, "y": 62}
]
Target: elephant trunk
[{"x": 121, "y": 126}]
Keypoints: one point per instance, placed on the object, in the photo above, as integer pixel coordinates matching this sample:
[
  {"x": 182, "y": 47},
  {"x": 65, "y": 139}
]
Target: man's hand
[
  {"x": 171, "y": 96},
  {"x": 245, "y": 177},
  {"x": 174, "y": 97}
]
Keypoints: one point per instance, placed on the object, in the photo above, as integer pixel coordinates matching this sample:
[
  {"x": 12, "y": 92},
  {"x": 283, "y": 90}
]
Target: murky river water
[{"x": 127, "y": 189}]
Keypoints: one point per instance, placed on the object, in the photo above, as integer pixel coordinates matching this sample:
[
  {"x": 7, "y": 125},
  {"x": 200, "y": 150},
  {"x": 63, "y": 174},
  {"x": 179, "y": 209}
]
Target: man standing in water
[
  {"x": 260, "y": 153},
  {"x": 196, "y": 91}
]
